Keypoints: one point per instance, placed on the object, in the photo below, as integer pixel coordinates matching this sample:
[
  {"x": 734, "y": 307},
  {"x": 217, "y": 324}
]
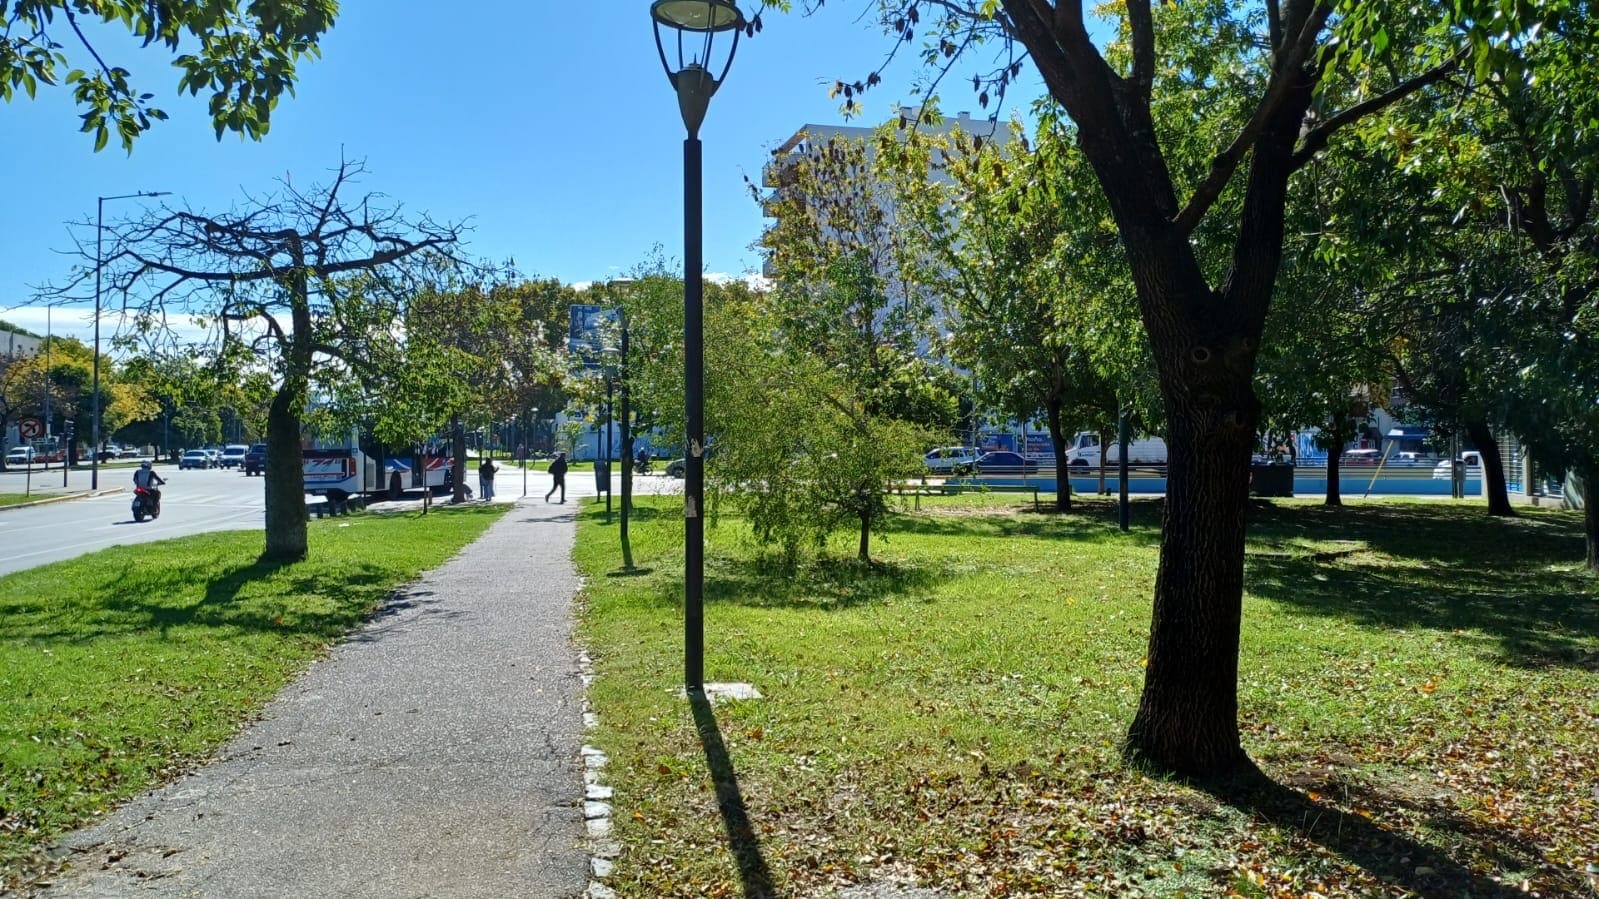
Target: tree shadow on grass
[
  {"x": 1088, "y": 521},
  {"x": 1394, "y": 857},
  {"x": 142, "y": 599},
  {"x": 1430, "y": 531},
  {"x": 741, "y": 838},
  {"x": 823, "y": 585},
  {"x": 1498, "y": 579}
]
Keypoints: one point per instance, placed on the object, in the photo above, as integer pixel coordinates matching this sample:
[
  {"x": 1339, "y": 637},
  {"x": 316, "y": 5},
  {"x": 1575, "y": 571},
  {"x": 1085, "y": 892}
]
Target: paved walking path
[{"x": 434, "y": 754}]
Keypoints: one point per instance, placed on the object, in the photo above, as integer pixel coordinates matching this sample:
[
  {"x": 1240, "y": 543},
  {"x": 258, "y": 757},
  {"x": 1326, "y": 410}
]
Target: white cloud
[{"x": 78, "y": 321}]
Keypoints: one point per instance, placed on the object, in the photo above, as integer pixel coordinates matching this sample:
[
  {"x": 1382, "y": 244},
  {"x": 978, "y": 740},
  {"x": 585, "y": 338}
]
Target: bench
[{"x": 1034, "y": 489}]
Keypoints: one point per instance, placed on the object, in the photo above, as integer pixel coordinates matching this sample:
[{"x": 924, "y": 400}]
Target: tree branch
[
  {"x": 1315, "y": 139},
  {"x": 1283, "y": 77}
]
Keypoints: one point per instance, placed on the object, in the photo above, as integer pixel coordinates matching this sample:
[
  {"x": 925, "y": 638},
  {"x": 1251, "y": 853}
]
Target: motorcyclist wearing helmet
[{"x": 145, "y": 476}]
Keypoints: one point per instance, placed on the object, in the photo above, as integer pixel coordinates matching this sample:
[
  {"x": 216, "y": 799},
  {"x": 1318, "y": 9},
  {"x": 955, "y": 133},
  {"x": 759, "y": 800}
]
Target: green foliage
[
  {"x": 949, "y": 716},
  {"x": 1035, "y": 295},
  {"x": 242, "y": 54}
]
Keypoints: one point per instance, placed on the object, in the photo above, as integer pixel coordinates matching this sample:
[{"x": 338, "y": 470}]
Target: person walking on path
[
  {"x": 558, "y": 472},
  {"x": 485, "y": 479},
  {"x": 435, "y": 753}
]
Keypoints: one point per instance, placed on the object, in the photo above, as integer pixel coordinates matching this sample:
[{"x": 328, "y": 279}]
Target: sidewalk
[{"x": 434, "y": 754}]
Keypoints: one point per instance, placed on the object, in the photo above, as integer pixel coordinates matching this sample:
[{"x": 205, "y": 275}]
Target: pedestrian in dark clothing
[
  {"x": 485, "y": 479},
  {"x": 558, "y": 472}
]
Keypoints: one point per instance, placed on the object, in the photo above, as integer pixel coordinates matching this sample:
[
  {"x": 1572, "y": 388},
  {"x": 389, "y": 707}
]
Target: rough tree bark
[
  {"x": 1493, "y": 468},
  {"x": 1335, "y": 495},
  {"x": 286, "y": 516},
  {"x": 1057, "y": 442}
]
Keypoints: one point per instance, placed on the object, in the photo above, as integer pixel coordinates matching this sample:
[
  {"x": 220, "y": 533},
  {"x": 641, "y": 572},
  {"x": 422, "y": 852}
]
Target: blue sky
[{"x": 549, "y": 126}]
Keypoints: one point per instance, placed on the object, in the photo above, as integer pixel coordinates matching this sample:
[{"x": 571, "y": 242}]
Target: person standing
[
  {"x": 558, "y": 473},
  {"x": 485, "y": 479}
]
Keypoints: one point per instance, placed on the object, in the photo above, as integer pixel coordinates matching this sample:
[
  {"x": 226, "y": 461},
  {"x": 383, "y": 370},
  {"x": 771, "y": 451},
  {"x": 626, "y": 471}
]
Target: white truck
[{"x": 1084, "y": 451}]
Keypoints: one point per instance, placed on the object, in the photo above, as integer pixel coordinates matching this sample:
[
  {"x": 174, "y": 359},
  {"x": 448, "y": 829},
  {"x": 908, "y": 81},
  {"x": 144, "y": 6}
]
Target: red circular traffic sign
[{"x": 30, "y": 428}]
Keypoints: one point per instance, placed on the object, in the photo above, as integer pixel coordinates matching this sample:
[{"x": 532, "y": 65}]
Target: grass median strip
[
  {"x": 1418, "y": 682},
  {"x": 13, "y": 499},
  {"x": 121, "y": 669}
]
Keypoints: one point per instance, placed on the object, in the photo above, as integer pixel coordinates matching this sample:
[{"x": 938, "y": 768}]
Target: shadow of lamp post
[{"x": 693, "y": 26}]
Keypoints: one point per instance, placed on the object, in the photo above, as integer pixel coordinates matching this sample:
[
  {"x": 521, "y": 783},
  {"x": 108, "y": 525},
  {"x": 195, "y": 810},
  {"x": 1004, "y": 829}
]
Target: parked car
[
  {"x": 676, "y": 468},
  {"x": 233, "y": 455},
  {"x": 1471, "y": 459},
  {"x": 950, "y": 459},
  {"x": 196, "y": 458},
  {"x": 255, "y": 459},
  {"x": 127, "y": 452},
  {"x": 1360, "y": 457},
  {"x": 20, "y": 455},
  {"x": 1004, "y": 462}
]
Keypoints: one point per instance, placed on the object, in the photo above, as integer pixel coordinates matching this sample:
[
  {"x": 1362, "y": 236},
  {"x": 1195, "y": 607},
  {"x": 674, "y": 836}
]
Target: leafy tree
[
  {"x": 23, "y": 381},
  {"x": 834, "y": 209},
  {"x": 304, "y": 280},
  {"x": 243, "y": 54},
  {"x": 800, "y": 447},
  {"x": 1307, "y": 69},
  {"x": 1027, "y": 279}
]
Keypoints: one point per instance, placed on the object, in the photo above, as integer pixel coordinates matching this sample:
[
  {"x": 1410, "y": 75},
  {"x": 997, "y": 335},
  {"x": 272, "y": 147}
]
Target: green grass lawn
[
  {"x": 12, "y": 499},
  {"x": 1420, "y": 685},
  {"x": 121, "y": 669}
]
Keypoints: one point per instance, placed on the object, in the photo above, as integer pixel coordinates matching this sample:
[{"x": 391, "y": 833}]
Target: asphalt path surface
[{"x": 433, "y": 754}]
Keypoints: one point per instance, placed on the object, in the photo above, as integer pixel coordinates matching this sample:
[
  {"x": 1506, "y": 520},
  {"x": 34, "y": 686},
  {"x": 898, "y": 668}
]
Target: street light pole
[
  {"x": 99, "y": 263},
  {"x": 691, "y": 20}
]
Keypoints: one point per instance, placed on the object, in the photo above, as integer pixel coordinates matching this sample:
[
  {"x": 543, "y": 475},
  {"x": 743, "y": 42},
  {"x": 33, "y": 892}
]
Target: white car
[
  {"x": 233, "y": 455},
  {"x": 19, "y": 455},
  {"x": 950, "y": 459},
  {"x": 196, "y": 458},
  {"x": 1471, "y": 459}
]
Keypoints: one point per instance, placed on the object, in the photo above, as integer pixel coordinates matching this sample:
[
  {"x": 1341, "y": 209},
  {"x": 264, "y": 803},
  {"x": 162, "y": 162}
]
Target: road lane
[{"x": 193, "y": 502}]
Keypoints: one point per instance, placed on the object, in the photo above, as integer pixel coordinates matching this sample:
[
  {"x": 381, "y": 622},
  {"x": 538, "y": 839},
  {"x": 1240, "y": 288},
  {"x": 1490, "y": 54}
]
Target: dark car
[
  {"x": 1004, "y": 462},
  {"x": 255, "y": 459}
]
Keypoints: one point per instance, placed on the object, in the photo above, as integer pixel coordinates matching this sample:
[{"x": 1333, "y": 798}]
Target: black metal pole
[
  {"x": 610, "y": 455},
  {"x": 694, "y": 410},
  {"x": 1122, "y": 511},
  {"x": 628, "y": 439},
  {"x": 94, "y": 463}
]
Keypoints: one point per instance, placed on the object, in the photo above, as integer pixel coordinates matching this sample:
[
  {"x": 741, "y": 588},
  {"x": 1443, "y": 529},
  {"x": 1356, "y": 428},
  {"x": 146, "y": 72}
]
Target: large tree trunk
[
  {"x": 1204, "y": 343},
  {"x": 1187, "y": 719},
  {"x": 1335, "y": 496},
  {"x": 284, "y": 478},
  {"x": 1057, "y": 442},
  {"x": 284, "y": 475},
  {"x": 1493, "y": 468}
]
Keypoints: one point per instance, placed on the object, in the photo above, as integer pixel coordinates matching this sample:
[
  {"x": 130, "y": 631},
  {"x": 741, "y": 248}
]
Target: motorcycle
[
  {"x": 146, "y": 503},
  {"x": 642, "y": 466}
]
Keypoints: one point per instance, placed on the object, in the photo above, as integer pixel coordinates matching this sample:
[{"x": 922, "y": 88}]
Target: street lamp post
[
  {"x": 99, "y": 262},
  {"x": 694, "y": 26}
]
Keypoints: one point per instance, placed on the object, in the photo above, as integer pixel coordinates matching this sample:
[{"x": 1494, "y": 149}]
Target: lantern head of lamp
[{"x": 693, "y": 26}]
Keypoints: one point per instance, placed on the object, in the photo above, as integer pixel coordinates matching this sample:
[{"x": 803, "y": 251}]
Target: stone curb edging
[
  {"x": 64, "y": 498},
  {"x": 596, "y": 798}
]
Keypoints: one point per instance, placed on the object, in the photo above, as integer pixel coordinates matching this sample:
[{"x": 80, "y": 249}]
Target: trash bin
[
  {"x": 602, "y": 476},
  {"x": 1271, "y": 479}
]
